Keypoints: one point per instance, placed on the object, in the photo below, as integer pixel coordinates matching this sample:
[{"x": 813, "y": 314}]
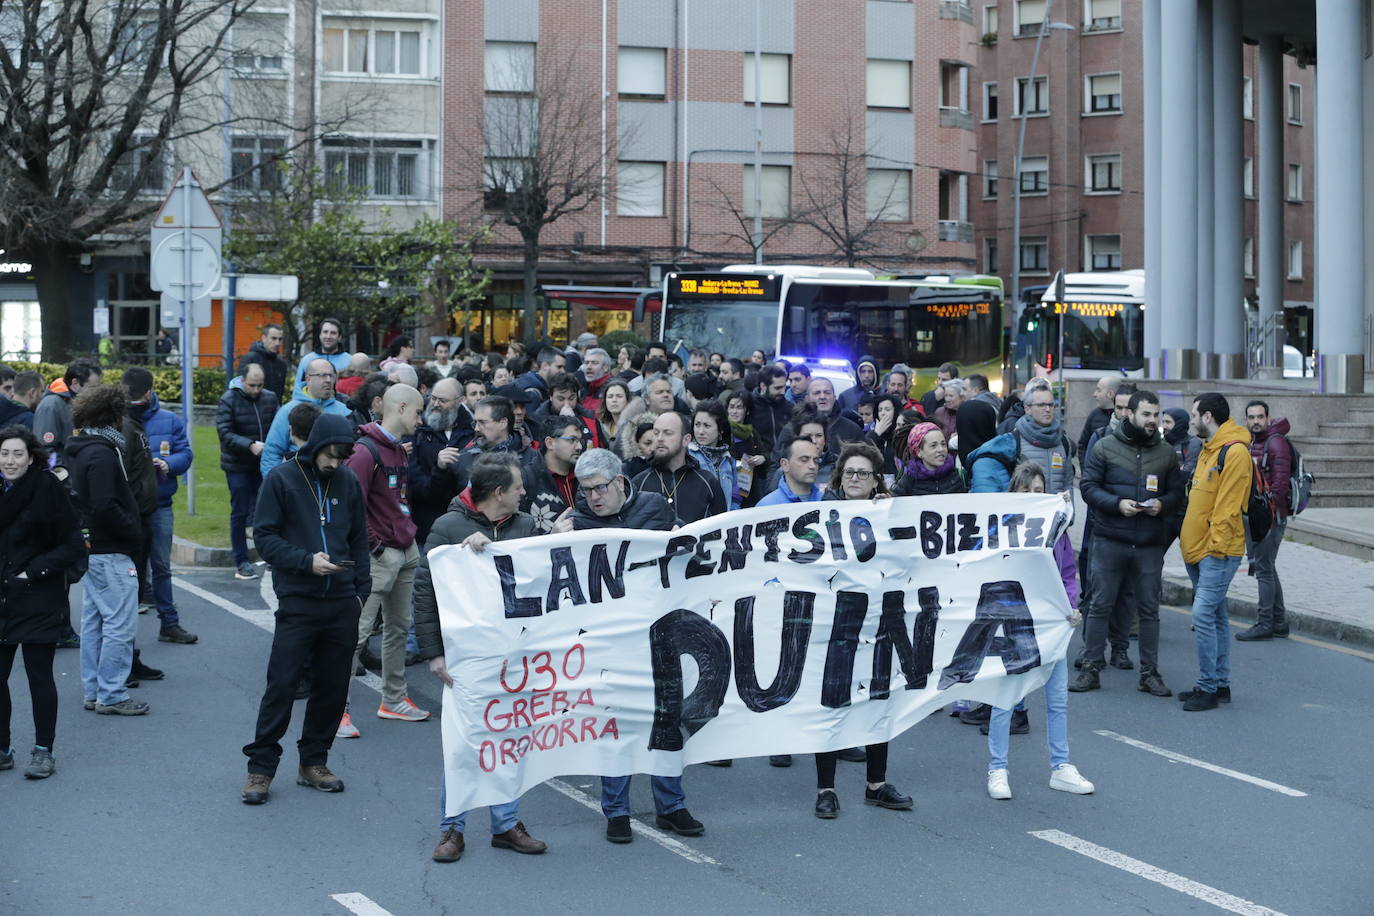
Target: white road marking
[
  {"x": 359, "y": 903},
  {"x": 1203, "y": 892},
  {"x": 1202, "y": 764},
  {"x": 265, "y": 620},
  {"x": 651, "y": 833}
]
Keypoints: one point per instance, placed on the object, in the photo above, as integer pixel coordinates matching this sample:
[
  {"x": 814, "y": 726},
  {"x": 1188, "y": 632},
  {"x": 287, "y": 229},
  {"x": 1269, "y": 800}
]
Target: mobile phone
[{"x": 342, "y": 562}]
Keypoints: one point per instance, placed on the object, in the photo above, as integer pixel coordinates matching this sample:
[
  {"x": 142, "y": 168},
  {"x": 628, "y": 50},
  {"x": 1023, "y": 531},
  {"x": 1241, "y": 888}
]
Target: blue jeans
[
  {"x": 243, "y": 497},
  {"x": 503, "y": 817},
  {"x": 1056, "y": 725},
  {"x": 1211, "y": 624},
  {"x": 160, "y": 559},
  {"x": 109, "y": 617},
  {"x": 615, "y": 794}
]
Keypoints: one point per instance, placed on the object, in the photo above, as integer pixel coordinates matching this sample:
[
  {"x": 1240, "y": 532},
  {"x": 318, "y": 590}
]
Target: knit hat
[{"x": 918, "y": 432}]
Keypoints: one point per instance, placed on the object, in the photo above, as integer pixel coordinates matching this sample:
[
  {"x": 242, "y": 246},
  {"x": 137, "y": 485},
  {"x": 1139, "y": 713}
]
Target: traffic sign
[
  {"x": 171, "y": 311},
  {"x": 185, "y": 207},
  {"x": 170, "y": 264},
  {"x": 260, "y": 287}
]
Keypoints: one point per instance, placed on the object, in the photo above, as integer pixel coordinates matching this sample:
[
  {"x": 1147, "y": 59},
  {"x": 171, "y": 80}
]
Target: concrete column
[
  {"x": 1206, "y": 221},
  {"x": 1152, "y": 186},
  {"x": 1273, "y": 253},
  {"x": 1178, "y": 191},
  {"x": 1228, "y": 278},
  {"x": 1340, "y": 197}
]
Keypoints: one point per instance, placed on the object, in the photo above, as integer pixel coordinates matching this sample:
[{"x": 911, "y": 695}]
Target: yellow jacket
[{"x": 1213, "y": 525}]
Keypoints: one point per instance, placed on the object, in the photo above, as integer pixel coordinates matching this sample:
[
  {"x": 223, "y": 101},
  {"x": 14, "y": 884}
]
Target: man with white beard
[{"x": 436, "y": 446}]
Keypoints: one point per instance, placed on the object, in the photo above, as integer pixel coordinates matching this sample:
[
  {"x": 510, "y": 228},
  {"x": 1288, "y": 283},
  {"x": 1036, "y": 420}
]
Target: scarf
[
  {"x": 921, "y": 472},
  {"x": 914, "y": 465},
  {"x": 714, "y": 453},
  {"x": 1039, "y": 436},
  {"x": 1136, "y": 436},
  {"x": 109, "y": 433}
]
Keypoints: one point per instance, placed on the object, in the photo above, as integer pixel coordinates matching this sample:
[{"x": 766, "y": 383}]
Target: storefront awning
[{"x": 609, "y": 298}]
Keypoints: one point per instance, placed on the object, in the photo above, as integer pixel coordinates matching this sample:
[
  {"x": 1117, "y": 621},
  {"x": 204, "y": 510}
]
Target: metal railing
[{"x": 1264, "y": 344}]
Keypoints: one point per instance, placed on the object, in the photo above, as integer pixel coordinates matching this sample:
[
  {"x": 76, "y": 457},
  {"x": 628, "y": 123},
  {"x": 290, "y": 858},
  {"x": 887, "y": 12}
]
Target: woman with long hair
[
  {"x": 42, "y": 551},
  {"x": 615, "y": 397},
  {"x": 745, "y": 447},
  {"x": 858, "y": 475},
  {"x": 711, "y": 447},
  {"x": 398, "y": 351},
  {"x": 887, "y": 414}
]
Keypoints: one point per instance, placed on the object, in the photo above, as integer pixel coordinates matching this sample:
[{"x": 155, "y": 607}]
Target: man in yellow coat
[{"x": 1213, "y": 541}]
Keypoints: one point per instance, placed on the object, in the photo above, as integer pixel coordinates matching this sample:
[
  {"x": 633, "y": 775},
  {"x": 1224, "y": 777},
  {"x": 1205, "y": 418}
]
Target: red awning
[{"x": 612, "y": 299}]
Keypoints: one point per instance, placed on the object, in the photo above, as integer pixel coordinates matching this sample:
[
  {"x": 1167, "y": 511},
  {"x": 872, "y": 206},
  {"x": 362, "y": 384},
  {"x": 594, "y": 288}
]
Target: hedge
[{"x": 207, "y": 384}]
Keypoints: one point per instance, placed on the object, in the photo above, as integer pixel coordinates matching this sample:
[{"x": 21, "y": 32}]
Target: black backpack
[{"x": 1258, "y": 511}]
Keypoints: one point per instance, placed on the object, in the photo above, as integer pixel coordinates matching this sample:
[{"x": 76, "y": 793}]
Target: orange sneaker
[
  {"x": 347, "y": 729},
  {"x": 405, "y": 711}
]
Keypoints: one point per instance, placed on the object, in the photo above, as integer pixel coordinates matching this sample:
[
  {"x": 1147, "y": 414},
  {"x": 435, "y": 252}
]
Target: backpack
[
  {"x": 1258, "y": 511},
  {"x": 1300, "y": 479}
]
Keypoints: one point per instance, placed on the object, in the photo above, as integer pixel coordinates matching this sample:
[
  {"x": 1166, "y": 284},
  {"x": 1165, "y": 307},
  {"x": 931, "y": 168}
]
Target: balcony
[
  {"x": 955, "y": 117},
  {"x": 955, "y": 9},
  {"x": 953, "y": 230}
]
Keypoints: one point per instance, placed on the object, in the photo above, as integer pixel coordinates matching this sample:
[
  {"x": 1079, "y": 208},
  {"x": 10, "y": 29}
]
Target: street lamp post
[{"x": 1045, "y": 27}]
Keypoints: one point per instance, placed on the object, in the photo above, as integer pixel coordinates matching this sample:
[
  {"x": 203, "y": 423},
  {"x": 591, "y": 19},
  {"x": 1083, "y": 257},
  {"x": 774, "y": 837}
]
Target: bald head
[
  {"x": 359, "y": 363},
  {"x": 401, "y": 407},
  {"x": 253, "y": 380},
  {"x": 446, "y": 388},
  {"x": 1105, "y": 392},
  {"x": 319, "y": 379}
]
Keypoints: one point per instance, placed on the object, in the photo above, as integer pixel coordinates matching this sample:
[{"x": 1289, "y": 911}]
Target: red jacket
[
  {"x": 1273, "y": 454},
  {"x": 592, "y": 402},
  {"x": 382, "y": 478}
]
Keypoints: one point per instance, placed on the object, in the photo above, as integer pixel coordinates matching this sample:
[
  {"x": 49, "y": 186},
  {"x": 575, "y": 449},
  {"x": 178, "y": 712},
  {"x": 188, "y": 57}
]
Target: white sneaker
[
  {"x": 1066, "y": 778},
  {"x": 998, "y": 786},
  {"x": 347, "y": 729},
  {"x": 405, "y": 711}
]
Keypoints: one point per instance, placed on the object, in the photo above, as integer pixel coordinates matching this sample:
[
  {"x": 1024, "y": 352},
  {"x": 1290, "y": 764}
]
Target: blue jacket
[
  {"x": 724, "y": 471},
  {"x": 278, "y": 441},
  {"x": 166, "y": 440},
  {"x": 991, "y": 464},
  {"x": 784, "y": 495},
  {"x": 339, "y": 361}
]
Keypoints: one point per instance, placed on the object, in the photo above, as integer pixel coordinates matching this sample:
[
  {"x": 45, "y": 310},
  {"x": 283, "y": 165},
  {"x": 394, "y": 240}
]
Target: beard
[
  {"x": 662, "y": 459},
  {"x": 325, "y": 473},
  {"x": 441, "y": 419}
]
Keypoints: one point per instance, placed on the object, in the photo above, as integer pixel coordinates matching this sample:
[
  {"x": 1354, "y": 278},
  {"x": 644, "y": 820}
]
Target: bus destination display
[
  {"x": 1091, "y": 309},
  {"x": 957, "y": 310},
  {"x": 723, "y": 286}
]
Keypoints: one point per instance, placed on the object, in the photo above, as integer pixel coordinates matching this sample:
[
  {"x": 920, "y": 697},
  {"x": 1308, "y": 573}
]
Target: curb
[
  {"x": 1179, "y": 592},
  {"x": 189, "y": 553}
]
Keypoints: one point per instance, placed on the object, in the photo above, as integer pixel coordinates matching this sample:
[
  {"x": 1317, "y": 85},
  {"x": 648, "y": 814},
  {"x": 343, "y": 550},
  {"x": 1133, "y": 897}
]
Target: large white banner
[{"x": 789, "y": 629}]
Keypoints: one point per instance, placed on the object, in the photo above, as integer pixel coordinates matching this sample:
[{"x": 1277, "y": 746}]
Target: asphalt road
[{"x": 1269, "y": 811}]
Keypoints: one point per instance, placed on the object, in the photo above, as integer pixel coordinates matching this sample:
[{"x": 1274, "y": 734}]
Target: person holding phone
[
  {"x": 311, "y": 528},
  {"x": 1132, "y": 483}
]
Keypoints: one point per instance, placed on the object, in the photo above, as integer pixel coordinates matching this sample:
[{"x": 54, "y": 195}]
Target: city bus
[
  {"x": 840, "y": 313},
  {"x": 1104, "y": 328}
]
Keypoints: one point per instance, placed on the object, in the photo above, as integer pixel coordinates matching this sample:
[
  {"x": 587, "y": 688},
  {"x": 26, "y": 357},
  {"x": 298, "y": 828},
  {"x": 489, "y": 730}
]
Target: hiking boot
[
  {"x": 131, "y": 683},
  {"x": 518, "y": 839},
  {"x": 176, "y": 633},
  {"x": 680, "y": 822},
  {"x": 1280, "y": 630},
  {"x": 1066, "y": 778},
  {"x": 1223, "y": 695},
  {"x": 41, "y": 764},
  {"x": 1257, "y": 632},
  {"x": 7, "y": 759},
  {"x": 256, "y": 789},
  {"x": 827, "y": 804},
  {"x": 347, "y": 729},
  {"x": 976, "y": 715},
  {"x": 999, "y": 787},
  {"x": 404, "y": 711},
  {"x": 1200, "y": 701},
  {"x": 126, "y": 707},
  {"x": 246, "y": 571},
  {"x": 618, "y": 829},
  {"x": 317, "y": 776},
  {"x": 145, "y": 672},
  {"x": 1087, "y": 679},
  {"x": 887, "y": 796},
  {"x": 1153, "y": 684},
  {"x": 88, "y": 705},
  {"x": 1121, "y": 659},
  {"x": 450, "y": 848}
]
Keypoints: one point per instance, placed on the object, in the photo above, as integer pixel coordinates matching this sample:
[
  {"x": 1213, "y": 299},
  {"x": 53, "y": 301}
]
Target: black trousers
[
  {"x": 38, "y": 660},
  {"x": 876, "y": 764},
  {"x": 322, "y": 632}
]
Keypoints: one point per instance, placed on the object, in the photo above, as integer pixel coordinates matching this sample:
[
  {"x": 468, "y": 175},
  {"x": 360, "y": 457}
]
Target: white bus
[{"x": 1104, "y": 328}]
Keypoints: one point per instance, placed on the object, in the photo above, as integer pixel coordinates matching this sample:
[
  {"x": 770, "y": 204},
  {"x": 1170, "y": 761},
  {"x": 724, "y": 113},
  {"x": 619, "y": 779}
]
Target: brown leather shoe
[
  {"x": 519, "y": 839},
  {"x": 256, "y": 789},
  {"x": 450, "y": 848},
  {"x": 318, "y": 776}
]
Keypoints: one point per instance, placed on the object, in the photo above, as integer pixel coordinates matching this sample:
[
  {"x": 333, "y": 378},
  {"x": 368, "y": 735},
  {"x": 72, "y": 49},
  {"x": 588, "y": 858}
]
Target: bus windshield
[
  {"x": 722, "y": 326},
  {"x": 1097, "y": 335}
]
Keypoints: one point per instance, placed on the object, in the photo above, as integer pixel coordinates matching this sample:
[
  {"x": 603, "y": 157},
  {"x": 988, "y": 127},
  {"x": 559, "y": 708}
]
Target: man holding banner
[{"x": 488, "y": 510}]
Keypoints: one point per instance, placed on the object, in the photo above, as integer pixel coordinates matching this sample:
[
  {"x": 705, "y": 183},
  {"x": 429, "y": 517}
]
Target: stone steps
[
  {"x": 1343, "y": 499},
  {"x": 1346, "y": 430},
  {"x": 1341, "y": 482},
  {"x": 1335, "y": 446}
]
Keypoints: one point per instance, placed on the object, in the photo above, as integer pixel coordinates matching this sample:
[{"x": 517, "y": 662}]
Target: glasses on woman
[{"x": 857, "y": 474}]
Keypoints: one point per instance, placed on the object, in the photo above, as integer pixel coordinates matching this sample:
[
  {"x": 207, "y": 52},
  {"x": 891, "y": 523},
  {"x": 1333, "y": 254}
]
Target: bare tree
[
  {"x": 542, "y": 152},
  {"x": 96, "y": 97},
  {"x": 738, "y": 215}
]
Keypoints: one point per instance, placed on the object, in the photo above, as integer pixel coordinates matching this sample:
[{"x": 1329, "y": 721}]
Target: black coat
[
  {"x": 16, "y": 413},
  {"x": 100, "y": 487},
  {"x": 241, "y": 421},
  {"x": 769, "y": 418},
  {"x": 643, "y": 511},
  {"x": 274, "y": 368},
  {"x": 1124, "y": 465},
  {"x": 40, "y": 538},
  {"x": 431, "y": 488},
  {"x": 911, "y": 485}
]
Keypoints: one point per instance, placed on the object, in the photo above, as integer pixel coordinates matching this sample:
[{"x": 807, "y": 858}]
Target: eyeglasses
[
  {"x": 570, "y": 438},
  {"x": 1040, "y": 404},
  {"x": 320, "y": 375},
  {"x": 856, "y": 474},
  {"x": 599, "y": 490}
]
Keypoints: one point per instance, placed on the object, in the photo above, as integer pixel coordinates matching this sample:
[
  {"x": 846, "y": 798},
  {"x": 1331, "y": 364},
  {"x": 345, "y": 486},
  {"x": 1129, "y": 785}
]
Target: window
[
  {"x": 139, "y": 168},
  {"x": 989, "y": 101},
  {"x": 1104, "y": 252},
  {"x": 377, "y": 168},
  {"x": 990, "y": 255},
  {"x": 138, "y": 41},
  {"x": 1036, "y": 101},
  {"x": 640, "y": 73},
  {"x": 1035, "y": 254},
  {"x": 378, "y": 51},
  {"x": 501, "y": 178},
  {"x": 1030, "y": 14},
  {"x": 775, "y": 72},
  {"x": 1035, "y": 175},
  {"x": 1104, "y": 174},
  {"x": 775, "y": 192},
  {"x": 1247, "y": 98},
  {"x": 1102, "y": 16},
  {"x": 990, "y": 19},
  {"x": 1295, "y": 259},
  {"x": 1295, "y": 182},
  {"x": 1104, "y": 93},
  {"x": 989, "y": 179},
  {"x": 1247, "y": 177},
  {"x": 639, "y": 188},
  {"x": 509, "y": 67},
  {"x": 889, "y": 194},
  {"x": 953, "y": 85},
  {"x": 259, "y": 43},
  {"x": 1247, "y": 258},
  {"x": 953, "y": 205},
  {"x": 253, "y": 163},
  {"x": 1294, "y": 103},
  {"x": 889, "y": 84}
]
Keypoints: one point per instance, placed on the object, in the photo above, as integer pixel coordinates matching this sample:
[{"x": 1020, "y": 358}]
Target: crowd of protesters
[{"x": 346, "y": 477}]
